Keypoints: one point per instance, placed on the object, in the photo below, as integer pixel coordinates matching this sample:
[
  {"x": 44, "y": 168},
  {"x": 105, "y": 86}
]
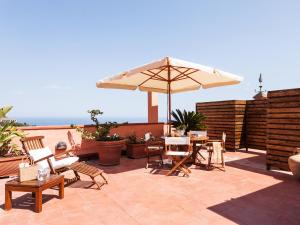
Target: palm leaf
[
  {"x": 189, "y": 119},
  {"x": 4, "y": 110}
]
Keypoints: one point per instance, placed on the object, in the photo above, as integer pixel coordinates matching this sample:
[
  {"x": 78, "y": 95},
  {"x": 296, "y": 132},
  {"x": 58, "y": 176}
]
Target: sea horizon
[{"x": 51, "y": 121}]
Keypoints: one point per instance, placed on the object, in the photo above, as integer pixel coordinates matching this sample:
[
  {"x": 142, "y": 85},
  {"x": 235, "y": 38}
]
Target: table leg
[
  {"x": 61, "y": 189},
  {"x": 38, "y": 201},
  {"x": 8, "y": 200}
]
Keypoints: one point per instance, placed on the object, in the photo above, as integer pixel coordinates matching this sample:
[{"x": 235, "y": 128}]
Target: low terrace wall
[{"x": 54, "y": 134}]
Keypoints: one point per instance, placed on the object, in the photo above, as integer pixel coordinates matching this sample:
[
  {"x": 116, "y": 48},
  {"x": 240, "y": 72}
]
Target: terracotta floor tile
[{"x": 245, "y": 194}]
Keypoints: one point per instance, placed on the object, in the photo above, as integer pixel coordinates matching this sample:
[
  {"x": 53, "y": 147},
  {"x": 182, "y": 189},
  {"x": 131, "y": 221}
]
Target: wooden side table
[{"x": 34, "y": 186}]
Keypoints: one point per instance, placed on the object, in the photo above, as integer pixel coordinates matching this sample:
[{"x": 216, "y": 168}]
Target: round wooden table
[{"x": 196, "y": 151}]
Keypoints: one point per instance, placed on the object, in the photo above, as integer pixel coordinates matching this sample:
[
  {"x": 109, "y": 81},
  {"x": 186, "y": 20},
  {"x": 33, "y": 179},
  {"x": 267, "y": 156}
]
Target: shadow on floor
[
  {"x": 26, "y": 201},
  {"x": 264, "y": 206},
  {"x": 257, "y": 164},
  {"x": 126, "y": 165}
]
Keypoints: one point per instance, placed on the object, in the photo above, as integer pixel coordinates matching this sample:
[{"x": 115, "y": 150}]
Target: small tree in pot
[
  {"x": 110, "y": 146},
  {"x": 186, "y": 121},
  {"x": 136, "y": 147}
]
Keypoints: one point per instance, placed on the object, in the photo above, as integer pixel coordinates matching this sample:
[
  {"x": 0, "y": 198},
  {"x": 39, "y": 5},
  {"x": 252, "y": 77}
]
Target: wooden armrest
[
  {"x": 63, "y": 153},
  {"x": 41, "y": 159}
]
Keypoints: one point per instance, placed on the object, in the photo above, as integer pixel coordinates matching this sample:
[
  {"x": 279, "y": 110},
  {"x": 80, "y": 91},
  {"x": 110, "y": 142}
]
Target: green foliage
[
  {"x": 132, "y": 139},
  {"x": 8, "y": 131},
  {"x": 3, "y": 111},
  {"x": 188, "y": 120},
  {"x": 102, "y": 130}
]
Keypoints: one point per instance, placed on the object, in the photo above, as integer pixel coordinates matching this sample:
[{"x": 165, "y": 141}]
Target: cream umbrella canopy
[{"x": 169, "y": 75}]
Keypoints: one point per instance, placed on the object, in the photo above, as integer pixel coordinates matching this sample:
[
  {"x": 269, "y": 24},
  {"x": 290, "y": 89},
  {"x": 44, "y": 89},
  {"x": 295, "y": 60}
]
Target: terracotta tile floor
[{"x": 245, "y": 194}]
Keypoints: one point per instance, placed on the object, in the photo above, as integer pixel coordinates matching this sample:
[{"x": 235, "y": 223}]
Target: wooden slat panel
[
  {"x": 224, "y": 116},
  {"x": 283, "y": 126},
  {"x": 256, "y": 121}
]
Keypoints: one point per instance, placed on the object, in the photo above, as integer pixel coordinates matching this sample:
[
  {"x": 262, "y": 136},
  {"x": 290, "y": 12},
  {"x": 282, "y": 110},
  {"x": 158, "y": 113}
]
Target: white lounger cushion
[
  {"x": 57, "y": 164},
  {"x": 37, "y": 154}
]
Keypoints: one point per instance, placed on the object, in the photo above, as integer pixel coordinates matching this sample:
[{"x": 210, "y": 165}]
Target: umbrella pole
[
  {"x": 169, "y": 96},
  {"x": 169, "y": 107}
]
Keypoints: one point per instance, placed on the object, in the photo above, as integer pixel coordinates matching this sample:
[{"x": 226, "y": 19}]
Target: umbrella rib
[
  {"x": 151, "y": 77},
  {"x": 181, "y": 74},
  {"x": 187, "y": 76},
  {"x": 156, "y": 74}
]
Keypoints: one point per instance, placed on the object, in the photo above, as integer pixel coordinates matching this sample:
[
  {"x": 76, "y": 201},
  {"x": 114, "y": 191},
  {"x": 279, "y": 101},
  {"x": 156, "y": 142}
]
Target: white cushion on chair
[
  {"x": 57, "y": 164},
  {"x": 37, "y": 154},
  {"x": 177, "y": 153},
  {"x": 177, "y": 140}
]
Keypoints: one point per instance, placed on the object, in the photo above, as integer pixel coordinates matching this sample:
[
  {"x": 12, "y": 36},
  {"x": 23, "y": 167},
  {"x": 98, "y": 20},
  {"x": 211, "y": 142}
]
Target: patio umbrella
[{"x": 170, "y": 75}]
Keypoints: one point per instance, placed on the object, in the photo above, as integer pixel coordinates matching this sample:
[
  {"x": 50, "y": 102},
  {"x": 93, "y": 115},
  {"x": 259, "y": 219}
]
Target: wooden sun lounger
[
  {"x": 36, "y": 142},
  {"x": 89, "y": 170}
]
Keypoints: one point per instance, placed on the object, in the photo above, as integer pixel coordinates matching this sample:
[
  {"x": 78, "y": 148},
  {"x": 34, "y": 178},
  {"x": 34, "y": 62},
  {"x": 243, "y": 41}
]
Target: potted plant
[
  {"x": 9, "y": 152},
  {"x": 136, "y": 147},
  {"x": 110, "y": 146},
  {"x": 188, "y": 120}
]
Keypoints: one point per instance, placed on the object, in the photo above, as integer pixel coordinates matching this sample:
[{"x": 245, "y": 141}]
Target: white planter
[{"x": 294, "y": 165}]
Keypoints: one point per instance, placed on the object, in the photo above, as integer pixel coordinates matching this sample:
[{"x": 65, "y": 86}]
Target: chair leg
[
  {"x": 76, "y": 175},
  {"x": 161, "y": 160},
  {"x": 106, "y": 182},
  {"x": 178, "y": 164},
  {"x": 198, "y": 153},
  {"x": 209, "y": 160},
  {"x": 223, "y": 162},
  {"x": 147, "y": 164},
  {"x": 186, "y": 168}
]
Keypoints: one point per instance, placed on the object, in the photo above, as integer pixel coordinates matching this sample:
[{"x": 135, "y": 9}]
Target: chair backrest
[
  {"x": 177, "y": 140},
  {"x": 34, "y": 147},
  {"x": 31, "y": 143},
  {"x": 147, "y": 136},
  {"x": 198, "y": 133}
]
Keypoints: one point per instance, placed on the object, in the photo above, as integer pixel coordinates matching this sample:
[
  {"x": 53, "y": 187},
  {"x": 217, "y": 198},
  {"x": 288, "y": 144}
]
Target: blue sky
[{"x": 53, "y": 52}]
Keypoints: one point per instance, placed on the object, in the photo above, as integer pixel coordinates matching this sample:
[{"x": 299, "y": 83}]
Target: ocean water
[{"x": 44, "y": 121}]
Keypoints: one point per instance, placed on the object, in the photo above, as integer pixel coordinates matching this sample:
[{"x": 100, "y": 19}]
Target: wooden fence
[
  {"x": 283, "y": 126},
  {"x": 272, "y": 124},
  {"x": 225, "y": 116},
  {"x": 255, "y": 124}
]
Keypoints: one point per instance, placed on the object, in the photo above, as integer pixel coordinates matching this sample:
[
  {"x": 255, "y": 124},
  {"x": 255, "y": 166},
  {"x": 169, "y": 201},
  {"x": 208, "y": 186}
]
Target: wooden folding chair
[
  {"x": 210, "y": 150},
  {"x": 178, "y": 157},
  {"x": 154, "y": 148}
]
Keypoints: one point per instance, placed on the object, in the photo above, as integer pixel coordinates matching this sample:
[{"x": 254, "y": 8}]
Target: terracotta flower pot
[
  {"x": 136, "y": 151},
  {"x": 110, "y": 152},
  {"x": 9, "y": 166},
  {"x": 294, "y": 165}
]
